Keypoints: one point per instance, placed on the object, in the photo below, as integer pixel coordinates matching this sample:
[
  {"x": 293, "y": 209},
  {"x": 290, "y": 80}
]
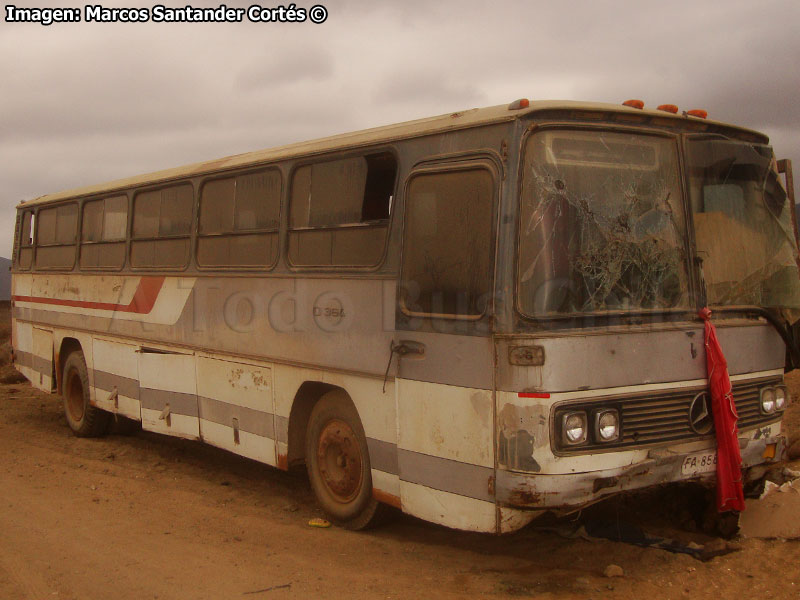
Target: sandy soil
[{"x": 144, "y": 516}]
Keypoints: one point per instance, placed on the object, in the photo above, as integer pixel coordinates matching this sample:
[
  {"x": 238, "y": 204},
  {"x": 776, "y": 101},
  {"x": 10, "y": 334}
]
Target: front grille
[{"x": 663, "y": 417}]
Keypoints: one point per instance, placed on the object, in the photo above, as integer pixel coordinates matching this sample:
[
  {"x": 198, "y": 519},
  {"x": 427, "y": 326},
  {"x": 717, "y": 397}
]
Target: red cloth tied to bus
[{"x": 730, "y": 495}]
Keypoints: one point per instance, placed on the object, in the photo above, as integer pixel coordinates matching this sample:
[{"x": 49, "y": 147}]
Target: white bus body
[{"x": 445, "y": 316}]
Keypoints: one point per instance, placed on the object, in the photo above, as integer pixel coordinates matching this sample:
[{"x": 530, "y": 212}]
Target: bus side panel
[
  {"x": 512, "y": 519},
  {"x": 23, "y": 350},
  {"x": 42, "y": 344},
  {"x": 446, "y": 454},
  {"x": 115, "y": 377},
  {"x": 451, "y": 510},
  {"x": 168, "y": 393},
  {"x": 236, "y": 407}
]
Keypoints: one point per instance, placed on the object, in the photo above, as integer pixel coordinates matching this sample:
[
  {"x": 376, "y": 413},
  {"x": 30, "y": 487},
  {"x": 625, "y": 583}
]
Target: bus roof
[{"x": 409, "y": 129}]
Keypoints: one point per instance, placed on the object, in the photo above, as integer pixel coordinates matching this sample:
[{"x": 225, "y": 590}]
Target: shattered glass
[
  {"x": 601, "y": 226},
  {"x": 743, "y": 225}
]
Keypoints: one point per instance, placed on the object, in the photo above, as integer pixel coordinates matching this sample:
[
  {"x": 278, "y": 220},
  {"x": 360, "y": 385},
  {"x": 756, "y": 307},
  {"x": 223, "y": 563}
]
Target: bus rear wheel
[
  {"x": 83, "y": 419},
  {"x": 338, "y": 464}
]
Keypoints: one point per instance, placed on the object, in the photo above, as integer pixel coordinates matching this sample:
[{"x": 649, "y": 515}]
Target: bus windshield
[
  {"x": 743, "y": 225},
  {"x": 601, "y": 224}
]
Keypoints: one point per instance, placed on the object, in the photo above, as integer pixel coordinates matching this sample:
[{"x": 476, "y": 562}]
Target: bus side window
[
  {"x": 447, "y": 249},
  {"x": 239, "y": 220},
  {"x": 339, "y": 211},
  {"x": 162, "y": 222},
  {"x": 25, "y": 243},
  {"x": 56, "y": 230},
  {"x": 103, "y": 233}
]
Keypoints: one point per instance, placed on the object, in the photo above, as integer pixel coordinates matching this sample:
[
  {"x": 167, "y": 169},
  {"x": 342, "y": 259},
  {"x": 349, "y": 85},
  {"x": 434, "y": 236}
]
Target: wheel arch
[
  {"x": 306, "y": 397},
  {"x": 67, "y": 346}
]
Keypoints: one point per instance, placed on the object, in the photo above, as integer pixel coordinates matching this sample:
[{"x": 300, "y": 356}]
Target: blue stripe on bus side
[
  {"x": 281, "y": 429},
  {"x": 32, "y": 361},
  {"x": 125, "y": 385},
  {"x": 24, "y": 359},
  {"x": 179, "y": 403},
  {"x": 434, "y": 472},
  {"x": 383, "y": 456},
  {"x": 253, "y": 421},
  {"x": 472, "y": 481}
]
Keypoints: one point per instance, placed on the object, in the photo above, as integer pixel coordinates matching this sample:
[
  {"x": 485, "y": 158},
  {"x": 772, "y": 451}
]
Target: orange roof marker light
[
  {"x": 670, "y": 108},
  {"x": 519, "y": 104},
  {"x": 697, "y": 112},
  {"x": 634, "y": 104}
]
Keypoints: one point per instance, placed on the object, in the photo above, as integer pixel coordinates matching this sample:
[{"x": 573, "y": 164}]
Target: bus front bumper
[{"x": 573, "y": 490}]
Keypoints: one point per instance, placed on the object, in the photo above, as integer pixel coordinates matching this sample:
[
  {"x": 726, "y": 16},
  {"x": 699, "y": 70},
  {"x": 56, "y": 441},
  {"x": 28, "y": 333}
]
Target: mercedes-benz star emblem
[{"x": 700, "y": 419}]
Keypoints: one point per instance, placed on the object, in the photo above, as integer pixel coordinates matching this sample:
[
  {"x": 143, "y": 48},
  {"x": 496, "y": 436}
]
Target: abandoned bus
[{"x": 473, "y": 317}]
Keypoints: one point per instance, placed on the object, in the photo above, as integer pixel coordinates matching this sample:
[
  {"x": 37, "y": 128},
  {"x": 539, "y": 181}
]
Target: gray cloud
[
  {"x": 407, "y": 86},
  {"x": 271, "y": 72}
]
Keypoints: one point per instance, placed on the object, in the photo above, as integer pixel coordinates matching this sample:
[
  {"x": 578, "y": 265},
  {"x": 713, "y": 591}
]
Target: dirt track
[{"x": 144, "y": 516}]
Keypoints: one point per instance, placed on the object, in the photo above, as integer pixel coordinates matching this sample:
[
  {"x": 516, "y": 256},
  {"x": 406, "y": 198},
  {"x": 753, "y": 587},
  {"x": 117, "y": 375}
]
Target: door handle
[{"x": 404, "y": 348}]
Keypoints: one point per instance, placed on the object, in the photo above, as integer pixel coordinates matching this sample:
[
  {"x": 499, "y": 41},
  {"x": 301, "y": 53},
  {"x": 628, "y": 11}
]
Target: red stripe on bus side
[
  {"x": 533, "y": 395},
  {"x": 144, "y": 298}
]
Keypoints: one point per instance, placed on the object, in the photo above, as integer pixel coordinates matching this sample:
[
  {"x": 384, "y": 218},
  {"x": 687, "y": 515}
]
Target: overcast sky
[{"x": 86, "y": 103}]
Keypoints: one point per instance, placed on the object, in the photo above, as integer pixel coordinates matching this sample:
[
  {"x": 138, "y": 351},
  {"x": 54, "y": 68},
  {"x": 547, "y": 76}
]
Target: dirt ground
[{"x": 144, "y": 516}]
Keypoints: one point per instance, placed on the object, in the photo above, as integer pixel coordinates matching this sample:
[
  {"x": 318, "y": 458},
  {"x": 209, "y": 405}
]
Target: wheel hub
[{"x": 339, "y": 459}]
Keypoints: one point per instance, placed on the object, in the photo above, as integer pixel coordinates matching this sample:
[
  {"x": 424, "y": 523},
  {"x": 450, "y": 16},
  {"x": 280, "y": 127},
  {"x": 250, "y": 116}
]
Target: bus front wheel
[
  {"x": 84, "y": 419},
  {"x": 338, "y": 465}
]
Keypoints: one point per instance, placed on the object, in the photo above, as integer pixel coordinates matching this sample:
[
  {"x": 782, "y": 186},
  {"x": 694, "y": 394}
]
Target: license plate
[{"x": 702, "y": 462}]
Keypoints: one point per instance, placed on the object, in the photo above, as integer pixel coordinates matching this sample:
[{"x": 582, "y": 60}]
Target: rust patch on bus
[
  {"x": 521, "y": 431},
  {"x": 283, "y": 462},
  {"x": 524, "y": 497},
  {"x": 260, "y": 380},
  {"x": 386, "y": 498},
  {"x": 604, "y": 482},
  {"x": 235, "y": 376}
]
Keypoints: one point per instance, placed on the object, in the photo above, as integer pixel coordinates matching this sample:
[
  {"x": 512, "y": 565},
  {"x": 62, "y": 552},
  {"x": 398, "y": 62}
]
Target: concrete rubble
[{"x": 774, "y": 513}]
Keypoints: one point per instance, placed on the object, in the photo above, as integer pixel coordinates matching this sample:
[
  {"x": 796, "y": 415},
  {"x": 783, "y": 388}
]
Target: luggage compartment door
[{"x": 168, "y": 393}]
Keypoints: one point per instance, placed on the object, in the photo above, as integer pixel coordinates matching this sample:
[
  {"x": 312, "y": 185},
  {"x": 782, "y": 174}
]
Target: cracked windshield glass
[
  {"x": 743, "y": 225},
  {"x": 601, "y": 228}
]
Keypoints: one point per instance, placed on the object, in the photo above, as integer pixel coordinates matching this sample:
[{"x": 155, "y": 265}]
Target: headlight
[
  {"x": 606, "y": 425},
  {"x": 573, "y": 428},
  {"x": 768, "y": 401},
  {"x": 780, "y": 398}
]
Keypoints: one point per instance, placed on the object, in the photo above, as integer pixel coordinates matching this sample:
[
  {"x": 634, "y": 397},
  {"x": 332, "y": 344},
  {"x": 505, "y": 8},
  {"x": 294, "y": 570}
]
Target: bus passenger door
[
  {"x": 168, "y": 393},
  {"x": 443, "y": 346}
]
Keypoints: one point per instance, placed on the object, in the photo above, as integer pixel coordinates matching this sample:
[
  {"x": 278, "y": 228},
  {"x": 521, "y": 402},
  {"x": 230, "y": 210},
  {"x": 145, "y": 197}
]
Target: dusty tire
[
  {"x": 84, "y": 419},
  {"x": 338, "y": 465}
]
